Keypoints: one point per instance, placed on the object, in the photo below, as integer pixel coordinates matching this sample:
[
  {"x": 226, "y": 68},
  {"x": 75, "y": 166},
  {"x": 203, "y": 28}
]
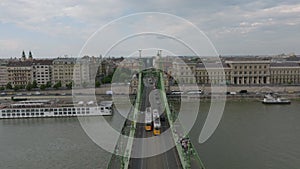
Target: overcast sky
[{"x": 52, "y": 28}]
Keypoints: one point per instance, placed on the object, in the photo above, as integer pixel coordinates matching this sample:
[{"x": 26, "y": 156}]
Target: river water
[{"x": 250, "y": 135}]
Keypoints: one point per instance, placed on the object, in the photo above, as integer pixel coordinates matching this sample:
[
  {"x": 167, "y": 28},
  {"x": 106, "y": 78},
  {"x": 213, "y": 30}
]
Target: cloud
[
  {"x": 10, "y": 44},
  {"x": 74, "y": 20}
]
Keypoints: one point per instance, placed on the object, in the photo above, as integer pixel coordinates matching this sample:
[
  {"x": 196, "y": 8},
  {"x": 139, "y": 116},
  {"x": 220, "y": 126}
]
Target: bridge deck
[
  {"x": 172, "y": 158},
  {"x": 166, "y": 160}
]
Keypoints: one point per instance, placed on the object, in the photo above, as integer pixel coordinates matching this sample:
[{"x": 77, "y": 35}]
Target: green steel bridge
[{"x": 177, "y": 157}]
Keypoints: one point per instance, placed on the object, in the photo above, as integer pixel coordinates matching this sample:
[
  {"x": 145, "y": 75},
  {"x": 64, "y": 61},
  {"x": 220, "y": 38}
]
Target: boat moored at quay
[
  {"x": 269, "y": 99},
  {"x": 45, "y": 108}
]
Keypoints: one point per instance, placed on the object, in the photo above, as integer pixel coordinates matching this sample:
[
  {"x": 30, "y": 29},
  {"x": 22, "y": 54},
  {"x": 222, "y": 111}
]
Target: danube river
[{"x": 250, "y": 135}]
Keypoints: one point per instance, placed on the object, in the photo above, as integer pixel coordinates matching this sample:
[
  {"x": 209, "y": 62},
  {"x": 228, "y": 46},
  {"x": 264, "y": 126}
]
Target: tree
[
  {"x": 69, "y": 85},
  {"x": 2, "y": 88},
  {"x": 9, "y": 86},
  {"x": 43, "y": 87},
  {"x": 97, "y": 84},
  {"x": 16, "y": 87},
  {"x": 57, "y": 85},
  {"x": 49, "y": 84},
  {"x": 107, "y": 79},
  {"x": 29, "y": 86},
  {"x": 34, "y": 84}
]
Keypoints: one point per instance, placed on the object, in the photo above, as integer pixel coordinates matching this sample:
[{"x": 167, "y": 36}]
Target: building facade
[
  {"x": 20, "y": 73},
  {"x": 285, "y": 73},
  {"x": 62, "y": 71},
  {"x": 85, "y": 71},
  {"x": 249, "y": 72},
  {"x": 216, "y": 74},
  {"x": 183, "y": 73},
  {"x": 3, "y": 73},
  {"x": 42, "y": 71}
]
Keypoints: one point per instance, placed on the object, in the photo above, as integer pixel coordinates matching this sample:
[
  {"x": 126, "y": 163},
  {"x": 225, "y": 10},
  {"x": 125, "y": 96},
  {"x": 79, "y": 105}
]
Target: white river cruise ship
[{"x": 44, "y": 108}]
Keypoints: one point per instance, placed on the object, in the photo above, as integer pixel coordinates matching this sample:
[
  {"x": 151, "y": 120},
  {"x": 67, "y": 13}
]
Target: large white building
[
  {"x": 42, "y": 71},
  {"x": 85, "y": 71}
]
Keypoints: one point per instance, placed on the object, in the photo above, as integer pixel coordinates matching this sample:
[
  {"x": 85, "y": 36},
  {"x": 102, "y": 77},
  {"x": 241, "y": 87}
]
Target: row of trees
[{"x": 34, "y": 85}]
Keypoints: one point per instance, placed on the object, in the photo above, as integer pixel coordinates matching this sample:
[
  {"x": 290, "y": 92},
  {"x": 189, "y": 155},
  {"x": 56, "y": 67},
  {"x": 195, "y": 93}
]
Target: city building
[
  {"x": 131, "y": 64},
  {"x": 20, "y": 72},
  {"x": 42, "y": 71},
  {"x": 183, "y": 72},
  {"x": 3, "y": 73},
  {"x": 85, "y": 71},
  {"x": 249, "y": 71},
  {"x": 213, "y": 73},
  {"x": 285, "y": 73},
  {"x": 62, "y": 71}
]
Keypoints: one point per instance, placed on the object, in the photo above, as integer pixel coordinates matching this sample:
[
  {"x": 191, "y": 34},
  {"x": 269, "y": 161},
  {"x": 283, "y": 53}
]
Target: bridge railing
[
  {"x": 126, "y": 152},
  {"x": 133, "y": 126},
  {"x": 187, "y": 157}
]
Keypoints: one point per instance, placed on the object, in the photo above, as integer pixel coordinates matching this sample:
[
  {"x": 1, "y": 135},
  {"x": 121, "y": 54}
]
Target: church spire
[
  {"x": 30, "y": 56},
  {"x": 23, "y": 56}
]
